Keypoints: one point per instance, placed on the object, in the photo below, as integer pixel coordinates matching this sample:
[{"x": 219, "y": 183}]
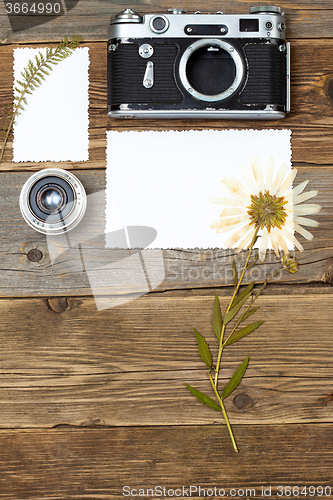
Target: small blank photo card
[
  {"x": 166, "y": 180},
  {"x": 54, "y": 124}
]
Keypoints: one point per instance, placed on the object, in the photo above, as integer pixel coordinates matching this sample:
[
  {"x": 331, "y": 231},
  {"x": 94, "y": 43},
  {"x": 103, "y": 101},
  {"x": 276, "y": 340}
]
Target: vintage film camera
[{"x": 179, "y": 65}]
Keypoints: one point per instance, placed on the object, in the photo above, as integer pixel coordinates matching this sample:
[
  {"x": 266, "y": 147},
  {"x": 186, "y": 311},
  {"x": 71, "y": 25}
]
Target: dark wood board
[
  {"x": 93, "y": 400},
  {"x": 311, "y": 89},
  {"x": 97, "y": 463},
  {"x": 65, "y": 362},
  {"x": 90, "y": 18}
]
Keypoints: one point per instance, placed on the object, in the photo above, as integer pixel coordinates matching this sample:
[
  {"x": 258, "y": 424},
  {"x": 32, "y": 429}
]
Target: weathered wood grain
[
  {"x": 90, "y": 18},
  {"x": 310, "y": 120},
  {"x": 127, "y": 365},
  {"x": 182, "y": 268},
  {"x": 63, "y": 362},
  {"x": 97, "y": 463}
]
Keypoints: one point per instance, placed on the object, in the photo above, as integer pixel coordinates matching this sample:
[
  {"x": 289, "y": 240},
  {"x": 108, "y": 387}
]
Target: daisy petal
[
  {"x": 287, "y": 183},
  {"x": 274, "y": 241},
  {"x": 233, "y": 211},
  {"x": 227, "y": 224},
  {"x": 236, "y": 236},
  {"x": 257, "y": 172},
  {"x": 229, "y": 202},
  {"x": 234, "y": 187},
  {"x": 279, "y": 177},
  {"x": 246, "y": 241},
  {"x": 282, "y": 241},
  {"x": 307, "y": 209},
  {"x": 304, "y": 196},
  {"x": 231, "y": 227},
  {"x": 300, "y": 188},
  {"x": 296, "y": 227},
  {"x": 306, "y": 222},
  {"x": 248, "y": 178},
  {"x": 263, "y": 245},
  {"x": 289, "y": 235},
  {"x": 269, "y": 175},
  {"x": 306, "y": 234}
]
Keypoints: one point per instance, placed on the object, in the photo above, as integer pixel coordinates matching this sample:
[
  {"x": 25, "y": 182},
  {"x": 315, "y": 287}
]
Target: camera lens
[{"x": 53, "y": 201}]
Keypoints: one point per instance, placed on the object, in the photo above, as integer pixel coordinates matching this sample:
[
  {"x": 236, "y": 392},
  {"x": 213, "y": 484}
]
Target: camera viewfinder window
[{"x": 248, "y": 25}]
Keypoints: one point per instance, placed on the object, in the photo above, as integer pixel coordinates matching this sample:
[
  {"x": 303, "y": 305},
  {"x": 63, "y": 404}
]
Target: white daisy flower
[{"x": 271, "y": 204}]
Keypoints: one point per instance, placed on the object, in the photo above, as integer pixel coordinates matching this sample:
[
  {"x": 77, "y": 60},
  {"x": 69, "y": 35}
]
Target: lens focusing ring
[
  {"x": 221, "y": 44},
  {"x": 45, "y": 187}
]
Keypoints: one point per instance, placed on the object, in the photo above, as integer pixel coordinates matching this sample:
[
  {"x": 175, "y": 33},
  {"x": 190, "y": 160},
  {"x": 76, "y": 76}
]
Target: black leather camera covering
[{"x": 264, "y": 81}]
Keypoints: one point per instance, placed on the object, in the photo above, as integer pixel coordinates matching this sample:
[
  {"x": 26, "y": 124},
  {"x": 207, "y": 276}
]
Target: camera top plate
[{"x": 262, "y": 23}]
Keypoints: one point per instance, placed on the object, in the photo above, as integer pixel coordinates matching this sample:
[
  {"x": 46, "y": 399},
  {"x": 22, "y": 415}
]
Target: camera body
[{"x": 179, "y": 65}]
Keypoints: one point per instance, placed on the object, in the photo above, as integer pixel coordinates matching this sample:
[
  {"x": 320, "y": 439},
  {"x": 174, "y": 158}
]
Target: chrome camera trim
[
  {"x": 75, "y": 215},
  {"x": 212, "y": 42}
]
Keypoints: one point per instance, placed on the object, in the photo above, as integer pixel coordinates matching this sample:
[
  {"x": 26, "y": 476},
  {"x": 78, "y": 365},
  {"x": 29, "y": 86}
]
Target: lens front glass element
[
  {"x": 51, "y": 200},
  {"x": 210, "y": 70}
]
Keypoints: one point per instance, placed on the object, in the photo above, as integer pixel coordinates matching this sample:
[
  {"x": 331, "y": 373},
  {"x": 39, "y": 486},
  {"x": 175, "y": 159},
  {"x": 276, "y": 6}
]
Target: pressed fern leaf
[{"x": 33, "y": 75}]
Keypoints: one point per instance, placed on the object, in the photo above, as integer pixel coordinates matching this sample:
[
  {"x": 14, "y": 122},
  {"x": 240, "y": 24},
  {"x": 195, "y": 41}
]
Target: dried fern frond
[{"x": 33, "y": 75}]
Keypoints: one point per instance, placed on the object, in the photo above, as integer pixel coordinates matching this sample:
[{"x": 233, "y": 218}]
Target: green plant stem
[
  {"x": 3, "y": 147},
  {"x": 261, "y": 289},
  {"x": 224, "y": 414},
  {"x": 221, "y": 344},
  {"x": 72, "y": 45},
  {"x": 18, "y": 104}
]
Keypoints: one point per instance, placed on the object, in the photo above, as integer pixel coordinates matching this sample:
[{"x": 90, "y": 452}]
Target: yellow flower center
[{"x": 267, "y": 210}]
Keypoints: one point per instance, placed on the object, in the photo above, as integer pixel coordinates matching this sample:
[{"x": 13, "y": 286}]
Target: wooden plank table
[{"x": 91, "y": 402}]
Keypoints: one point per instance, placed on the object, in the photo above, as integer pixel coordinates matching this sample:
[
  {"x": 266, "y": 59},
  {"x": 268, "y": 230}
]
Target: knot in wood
[
  {"x": 328, "y": 276},
  {"x": 329, "y": 90},
  {"x": 58, "y": 304},
  {"x": 35, "y": 255},
  {"x": 242, "y": 401}
]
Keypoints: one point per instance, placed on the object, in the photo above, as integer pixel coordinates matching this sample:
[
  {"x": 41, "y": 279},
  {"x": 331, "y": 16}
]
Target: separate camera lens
[
  {"x": 53, "y": 201},
  {"x": 248, "y": 25},
  {"x": 210, "y": 70}
]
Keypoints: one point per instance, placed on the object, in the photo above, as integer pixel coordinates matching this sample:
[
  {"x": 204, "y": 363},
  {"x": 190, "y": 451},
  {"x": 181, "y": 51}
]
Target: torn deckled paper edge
[
  {"x": 164, "y": 181},
  {"x": 54, "y": 124}
]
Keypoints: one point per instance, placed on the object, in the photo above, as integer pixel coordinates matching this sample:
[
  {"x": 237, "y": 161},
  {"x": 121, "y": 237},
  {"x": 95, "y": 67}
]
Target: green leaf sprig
[
  {"x": 32, "y": 77},
  {"x": 239, "y": 309}
]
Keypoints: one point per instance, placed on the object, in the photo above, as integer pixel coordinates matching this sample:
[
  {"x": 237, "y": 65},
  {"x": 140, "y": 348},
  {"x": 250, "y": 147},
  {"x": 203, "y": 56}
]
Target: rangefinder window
[{"x": 249, "y": 25}]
